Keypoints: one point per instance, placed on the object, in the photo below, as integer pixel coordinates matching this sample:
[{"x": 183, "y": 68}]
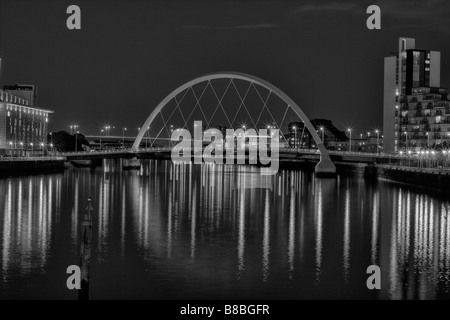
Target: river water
[{"x": 180, "y": 231}]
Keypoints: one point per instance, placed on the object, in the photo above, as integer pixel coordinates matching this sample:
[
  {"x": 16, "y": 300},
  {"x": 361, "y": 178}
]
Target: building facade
[
  {"x": 23, "y": 126},
  {"x": 28, "y": 92},
  {"x": 424, "y": 119},
  {"x": 408, "y": 74}
]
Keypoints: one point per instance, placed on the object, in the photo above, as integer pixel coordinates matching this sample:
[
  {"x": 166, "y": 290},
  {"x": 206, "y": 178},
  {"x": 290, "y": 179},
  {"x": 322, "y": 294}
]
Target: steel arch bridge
[{"x": 264, "y": 90}]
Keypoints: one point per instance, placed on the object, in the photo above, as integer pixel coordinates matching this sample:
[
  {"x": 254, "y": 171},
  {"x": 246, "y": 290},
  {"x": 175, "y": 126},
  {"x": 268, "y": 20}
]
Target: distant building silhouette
[{"x": 300, "y": 137}]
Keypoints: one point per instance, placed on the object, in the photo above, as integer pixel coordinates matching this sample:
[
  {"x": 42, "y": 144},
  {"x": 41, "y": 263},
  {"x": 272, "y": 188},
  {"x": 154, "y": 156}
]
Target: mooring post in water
[{"x": 86, "y": 239}]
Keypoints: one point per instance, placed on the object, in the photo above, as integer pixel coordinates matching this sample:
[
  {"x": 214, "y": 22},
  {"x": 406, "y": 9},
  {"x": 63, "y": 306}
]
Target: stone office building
[{"x": 23, "y": 126}]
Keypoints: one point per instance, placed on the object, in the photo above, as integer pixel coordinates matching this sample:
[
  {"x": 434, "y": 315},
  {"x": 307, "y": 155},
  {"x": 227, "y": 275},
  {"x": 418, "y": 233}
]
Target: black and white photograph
[{"x": 216, "y": 157}]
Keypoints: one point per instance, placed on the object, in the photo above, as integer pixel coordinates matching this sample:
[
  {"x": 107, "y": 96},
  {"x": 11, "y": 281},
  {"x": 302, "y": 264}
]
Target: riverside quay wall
[
  {"x": 431, "y": 179},
  {"x": 9, "y": 167}
]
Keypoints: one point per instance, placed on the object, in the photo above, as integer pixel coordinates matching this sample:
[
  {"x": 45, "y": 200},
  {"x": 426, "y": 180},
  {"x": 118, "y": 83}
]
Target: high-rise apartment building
[{"x": 412, "y": 94}]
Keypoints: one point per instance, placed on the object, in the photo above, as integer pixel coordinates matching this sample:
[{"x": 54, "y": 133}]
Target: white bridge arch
[{"x": 324, "y": 166}]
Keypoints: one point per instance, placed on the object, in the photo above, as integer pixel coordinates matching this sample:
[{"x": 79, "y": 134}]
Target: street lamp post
[
  {"x": 21, "y": 148},
  {"x": 406, "y": 139},
  {"x": 378, "y": 140},
  {"x": 295, "y": 136},
  {"x": 76, "y": 141},
  {"x": 42, "y": 147},
  {"x": 350, "y": 145},
  {"x": 32, "y": 148},
  {"x": 73, "y": 128},
  {"x": 428, "y": 139},
  {"x": 10, "y": 148},
  {"x": 101, "y": 134},
  {"x": 123, "y": 137},
  {"x": 444, "y": 162},
  {"x": 323, "y": 130}
]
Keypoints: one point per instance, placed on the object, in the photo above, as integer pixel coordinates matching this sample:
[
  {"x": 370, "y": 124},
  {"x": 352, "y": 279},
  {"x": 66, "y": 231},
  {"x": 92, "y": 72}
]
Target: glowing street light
[{"x": 350, "y": 145}]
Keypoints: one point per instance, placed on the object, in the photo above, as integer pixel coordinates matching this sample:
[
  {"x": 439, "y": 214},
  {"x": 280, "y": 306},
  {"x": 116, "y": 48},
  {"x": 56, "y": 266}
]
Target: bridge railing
[{"x": 431, "y": 160}]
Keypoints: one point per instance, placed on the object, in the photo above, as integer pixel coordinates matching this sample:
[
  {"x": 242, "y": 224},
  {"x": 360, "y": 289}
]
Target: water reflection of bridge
[{"x": 169, "y": 211}]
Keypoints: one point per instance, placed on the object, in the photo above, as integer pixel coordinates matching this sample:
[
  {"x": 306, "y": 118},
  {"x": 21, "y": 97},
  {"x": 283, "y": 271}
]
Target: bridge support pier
[{"x": 325, "y": 167}]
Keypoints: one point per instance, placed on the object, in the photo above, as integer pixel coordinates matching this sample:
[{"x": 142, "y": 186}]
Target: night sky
[{"x": 130, "y": 54}]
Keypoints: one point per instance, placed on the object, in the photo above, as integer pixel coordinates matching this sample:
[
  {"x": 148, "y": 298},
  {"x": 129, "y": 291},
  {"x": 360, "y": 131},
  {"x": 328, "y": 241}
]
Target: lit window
[
  {"x": 9, "y": 114},
  {"x": 438, "y": 119}
]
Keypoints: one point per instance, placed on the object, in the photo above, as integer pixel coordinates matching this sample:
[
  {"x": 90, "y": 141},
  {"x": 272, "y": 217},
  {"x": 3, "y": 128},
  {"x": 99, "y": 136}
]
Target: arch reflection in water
[{"x": 218, "y": 231}]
